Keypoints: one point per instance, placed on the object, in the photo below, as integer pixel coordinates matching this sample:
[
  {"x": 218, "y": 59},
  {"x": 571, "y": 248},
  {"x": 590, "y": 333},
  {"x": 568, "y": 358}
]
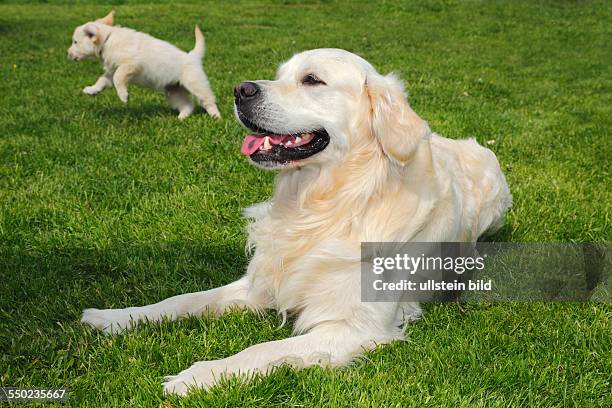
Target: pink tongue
[{"x": 252, "y": 142}]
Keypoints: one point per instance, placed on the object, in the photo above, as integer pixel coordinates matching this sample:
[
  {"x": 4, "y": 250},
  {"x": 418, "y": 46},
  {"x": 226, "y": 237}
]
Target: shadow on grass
[
  {"x": 504, "y": 234},
  {"x": 137, "y": 111},
  {"x": 68, "y": 280}
]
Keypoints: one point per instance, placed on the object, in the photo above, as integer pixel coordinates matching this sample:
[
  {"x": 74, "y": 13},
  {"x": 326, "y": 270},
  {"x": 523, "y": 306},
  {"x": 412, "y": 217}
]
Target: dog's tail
[{"x": 198, "y": 50}]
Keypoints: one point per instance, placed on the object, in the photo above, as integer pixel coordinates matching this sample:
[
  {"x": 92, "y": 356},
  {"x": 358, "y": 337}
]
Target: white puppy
[
  {"x": 129, "y": 56},
  {"x": 357, "y": 164}
]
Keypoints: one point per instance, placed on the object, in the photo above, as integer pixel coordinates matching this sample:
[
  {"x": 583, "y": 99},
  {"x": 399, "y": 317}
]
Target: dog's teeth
[
  {"x": 298, "y": 140},
  {"x": 266, "y": 144}
]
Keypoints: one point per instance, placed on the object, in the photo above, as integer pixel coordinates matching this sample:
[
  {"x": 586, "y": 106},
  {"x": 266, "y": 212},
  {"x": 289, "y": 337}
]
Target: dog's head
[
  {"x": 88, "y": 39},
  {"x": 322, "y": 104}
]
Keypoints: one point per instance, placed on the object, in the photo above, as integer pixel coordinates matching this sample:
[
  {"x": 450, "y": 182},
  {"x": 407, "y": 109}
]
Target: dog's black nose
[{"x": 246, "y": 90}]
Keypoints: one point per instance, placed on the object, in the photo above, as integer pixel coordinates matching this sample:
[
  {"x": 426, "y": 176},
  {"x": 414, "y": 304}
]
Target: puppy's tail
[{"x": 198, "y": 50}]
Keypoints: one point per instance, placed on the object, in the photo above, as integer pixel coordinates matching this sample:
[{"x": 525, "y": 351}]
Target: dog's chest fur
[{"x": 315, "y": 217}]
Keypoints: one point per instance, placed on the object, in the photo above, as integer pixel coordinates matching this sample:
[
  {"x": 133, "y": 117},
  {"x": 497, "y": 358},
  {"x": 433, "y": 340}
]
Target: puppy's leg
[
  {"x": 121, "y": 78},
  {"x": 195, "y": 81},
  {"x": 329, "y": 344},
  {"x": 105, "y": 81},
  {"x": 180, "y": 100},
  {"x": 214, "y": 301}
]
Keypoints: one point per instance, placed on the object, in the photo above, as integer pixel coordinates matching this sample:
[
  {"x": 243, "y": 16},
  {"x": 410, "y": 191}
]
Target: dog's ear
[
  {"x": 398, "y": 129},
  {"x": 92, "y": 31},
  {"x": 108, "y": 19}
]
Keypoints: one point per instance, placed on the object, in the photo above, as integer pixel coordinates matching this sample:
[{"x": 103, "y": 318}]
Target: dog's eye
[
  {"x": 74, "y": 41},
  {"x": 311, "y": 79}
]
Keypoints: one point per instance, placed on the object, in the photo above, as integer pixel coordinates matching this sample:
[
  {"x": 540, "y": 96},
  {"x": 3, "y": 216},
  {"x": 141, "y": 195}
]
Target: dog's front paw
[
  {"x": 123, "y": 96},
  {"x": 111, "y": 321},
  {"x": 184, "y": 115},
  {"x": 90, "y": 90},
  {"x": 203, "y": 374},
  {"x": 213, "y": 111}
]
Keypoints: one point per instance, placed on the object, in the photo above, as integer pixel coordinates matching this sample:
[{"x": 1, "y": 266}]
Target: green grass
[{"x": 105, "y": 205}]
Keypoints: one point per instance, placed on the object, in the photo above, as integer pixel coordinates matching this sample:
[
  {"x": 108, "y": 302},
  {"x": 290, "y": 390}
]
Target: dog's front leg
[
  {"x": 329, "y": 344},
  {"x": 214, "y": 301},
  {"x": 105, "y": 81},
  {"x": 121, "y": 79}
]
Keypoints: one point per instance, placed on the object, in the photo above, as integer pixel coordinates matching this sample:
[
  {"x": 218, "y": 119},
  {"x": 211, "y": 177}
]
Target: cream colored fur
[
  {"x": 384, "y": 177},
  {"x": 131, "y": 57}
]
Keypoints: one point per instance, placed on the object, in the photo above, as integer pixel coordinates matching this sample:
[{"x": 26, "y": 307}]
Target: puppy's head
[
  {"x": 88, "y": 39},
  {"x": 323, "y": 104}
]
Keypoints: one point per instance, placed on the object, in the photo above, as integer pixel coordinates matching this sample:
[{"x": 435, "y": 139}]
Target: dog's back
[
  {"x": 159, "y": 62},
  {"x": 479, "y": 175}
]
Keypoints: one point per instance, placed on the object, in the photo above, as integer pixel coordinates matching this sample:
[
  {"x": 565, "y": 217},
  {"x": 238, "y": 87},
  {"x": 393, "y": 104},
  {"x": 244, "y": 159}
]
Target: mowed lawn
[{"x": 105, "y": 205}]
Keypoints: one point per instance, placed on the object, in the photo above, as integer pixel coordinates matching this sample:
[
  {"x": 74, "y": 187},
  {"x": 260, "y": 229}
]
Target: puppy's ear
[
  {"x": 93, "y": 32},
  {"x": 398, "y": 129},
  {"x": 108, "y": 19}
]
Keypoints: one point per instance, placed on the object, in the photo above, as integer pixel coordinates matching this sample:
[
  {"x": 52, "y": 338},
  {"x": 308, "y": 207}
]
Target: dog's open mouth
[{"x": 274, "y": 149}]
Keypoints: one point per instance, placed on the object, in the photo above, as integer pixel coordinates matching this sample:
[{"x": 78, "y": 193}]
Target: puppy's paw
[
  {"x": 213, "y": 111},
  {"x": 203, "y": 374},
  {"x": 91, "y": 90},
  {"x": 123, "y": 96},
  {"x": 184, "y": 115},
  {"x": 111, "y": 321}
]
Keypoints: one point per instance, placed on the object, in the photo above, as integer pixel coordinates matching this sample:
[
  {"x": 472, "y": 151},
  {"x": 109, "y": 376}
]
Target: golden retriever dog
[
  {"x": 356, "y": 164},
  {"x": 129, "y": 56}
]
